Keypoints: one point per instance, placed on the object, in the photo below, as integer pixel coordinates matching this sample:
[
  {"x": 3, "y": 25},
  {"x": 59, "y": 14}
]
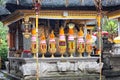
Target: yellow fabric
[{"x": 117, "y": 39}]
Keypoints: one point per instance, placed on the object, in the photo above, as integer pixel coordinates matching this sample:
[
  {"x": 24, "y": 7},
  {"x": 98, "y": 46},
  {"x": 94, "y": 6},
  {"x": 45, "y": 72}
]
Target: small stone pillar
[{"x": 26, "y": 43}]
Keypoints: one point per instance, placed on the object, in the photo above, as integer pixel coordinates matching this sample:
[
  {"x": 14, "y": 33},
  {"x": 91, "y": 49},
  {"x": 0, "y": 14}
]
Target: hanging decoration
[
  {"x": 81, "y": 2},
  {"x": 67, "y": 3},
  {"x": 98, "y": 4},
  {"x": 17, "y": 1}
]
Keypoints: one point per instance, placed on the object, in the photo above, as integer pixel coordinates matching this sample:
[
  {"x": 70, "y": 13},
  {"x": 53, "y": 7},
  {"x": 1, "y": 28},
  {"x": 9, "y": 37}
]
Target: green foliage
[
  {"x": 3, "y": 3},
  {"x": 110, "y": 26},
  {"x": 3, "y": 45}
]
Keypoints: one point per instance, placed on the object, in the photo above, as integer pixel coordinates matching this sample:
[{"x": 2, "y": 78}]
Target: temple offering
[
  {"x": 52, "y": 44},
  {"x": 80, "y": 43},
  {"x": 33, "y": 41},
  {"x": 62, "y": 42},
  {"x": 71, "y": 40},
  {"x": 43, "y": 45},
  {"x": 89, "y": 44}
]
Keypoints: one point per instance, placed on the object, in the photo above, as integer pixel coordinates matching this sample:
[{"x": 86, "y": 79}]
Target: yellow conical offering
[
  {"x": 61, "y": 32},
  {"x": 71, "y": 32},
  {"x": 52, "y": 44},
  {"x": 80, "y": 43},
  {"x": 52, "y": 35},
  {"x": 33, "y": 41},
  {"x": 62, "y": 42},
  {"x": 42, "y": 36},
  {"x": 33, "y": 31},
  {"x": 88, "y": 37},
  {"x": 71, "y": 41},
  {"x": 43, "y": 45},
  {"x": 80, "y": 33},
  {"x": 88, "y": 44}
]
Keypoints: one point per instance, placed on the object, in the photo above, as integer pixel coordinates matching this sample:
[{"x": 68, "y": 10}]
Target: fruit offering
[
  {"x": 62, "y": 42},
  {"x": 80, "y": 43},
  {"x": 43, "y": 45},
  {"x": 52, "y": 44}
]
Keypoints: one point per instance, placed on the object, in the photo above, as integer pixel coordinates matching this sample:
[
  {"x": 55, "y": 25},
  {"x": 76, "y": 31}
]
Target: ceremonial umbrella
[{"x": 103, "y": 33}]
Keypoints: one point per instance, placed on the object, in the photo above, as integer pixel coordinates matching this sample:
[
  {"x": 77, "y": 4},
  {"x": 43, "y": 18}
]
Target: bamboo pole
[
  {"x": 98, "y": 4},
  {"x": 37, "y": 62},
  {"x": 99, "y": 39},
  {"x": 37, "y": 7}
]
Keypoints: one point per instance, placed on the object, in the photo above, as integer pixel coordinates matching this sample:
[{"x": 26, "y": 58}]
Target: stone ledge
[
  {"x": 56, "y": 59},
  {"x": 83, "y": 77}
]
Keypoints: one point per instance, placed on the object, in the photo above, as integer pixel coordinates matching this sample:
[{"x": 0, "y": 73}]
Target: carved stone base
[{"x": 56, "y": 67}]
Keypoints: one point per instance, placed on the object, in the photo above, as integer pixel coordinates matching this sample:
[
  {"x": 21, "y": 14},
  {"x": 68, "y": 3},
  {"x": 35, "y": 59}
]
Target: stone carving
[
  {"x": 52, "y": 67},
  {"x": 63, "y": 66},
  {"x": 30, "y": 68},
  {"x": 91, "y": 67},
  {"x": 44, "y": 68}
]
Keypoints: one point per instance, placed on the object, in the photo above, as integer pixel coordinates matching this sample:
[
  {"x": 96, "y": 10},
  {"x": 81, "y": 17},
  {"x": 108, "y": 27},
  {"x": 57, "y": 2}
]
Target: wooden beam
[
  {"x": 50, "y": 14},
  {"x": 61, "y": 14},
  {"x": 17, "y": 15},
  {"x": 114, "y": 14},
  {"x": 90, "y": 27}
]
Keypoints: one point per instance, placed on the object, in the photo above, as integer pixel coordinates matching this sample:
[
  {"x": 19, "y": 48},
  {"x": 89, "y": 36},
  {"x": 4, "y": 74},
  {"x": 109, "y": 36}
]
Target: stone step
[
  {"x": 83, "y": 77},
  {"x": 110, "y": 73}
]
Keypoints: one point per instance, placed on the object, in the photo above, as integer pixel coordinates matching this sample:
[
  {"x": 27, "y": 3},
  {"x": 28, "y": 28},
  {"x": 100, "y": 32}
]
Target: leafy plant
[
  {"x": 111, "y": 26},
  {"x": 3, "y": 45},
  {"x": 3, "y": 3}
]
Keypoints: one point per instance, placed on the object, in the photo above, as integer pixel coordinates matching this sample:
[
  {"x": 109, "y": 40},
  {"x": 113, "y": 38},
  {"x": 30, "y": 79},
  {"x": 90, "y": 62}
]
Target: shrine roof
[{"x": 9, "y": 6}]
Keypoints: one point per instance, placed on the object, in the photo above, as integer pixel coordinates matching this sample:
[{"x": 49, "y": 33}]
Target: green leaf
[
  {"x": 3, "y": 46},
  {"x": 110, "y": 25}
]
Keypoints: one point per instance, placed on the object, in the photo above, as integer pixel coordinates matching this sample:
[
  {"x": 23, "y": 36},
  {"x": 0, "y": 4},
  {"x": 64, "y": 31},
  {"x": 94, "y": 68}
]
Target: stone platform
[
  {"x": 66, "y": 67},
  {"x": 82, "y": 77}
]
